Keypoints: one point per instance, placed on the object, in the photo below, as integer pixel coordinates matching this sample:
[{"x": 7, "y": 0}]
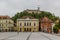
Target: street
[{"x": 27, "y": 36}]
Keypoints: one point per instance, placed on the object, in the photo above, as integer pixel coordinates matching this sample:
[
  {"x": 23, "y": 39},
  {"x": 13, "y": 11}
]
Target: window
[
  {"x": 0, "y": 24},
  {"x": 9, "y": 22},
  {"x": 6, "y": 25},
  {"x": 6, "y": 21},
  {"x": 20, "y": 24},
  {"x": 30, "y": 23},
  {"x": 34, "y": 24},
  {"x": 32, "y": 12},
  {"x": 25, "y": 24}
]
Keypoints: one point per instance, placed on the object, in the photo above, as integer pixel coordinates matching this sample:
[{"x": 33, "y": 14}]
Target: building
[
  {"x": 6, "y": 23},
  {"x": 33, "y": 11},
  {"x": 46, "y": 24},
  {"x": 25, "y": 24},
  {"x": 57, "y": 21},
  {"x": 28, "y": 23}
]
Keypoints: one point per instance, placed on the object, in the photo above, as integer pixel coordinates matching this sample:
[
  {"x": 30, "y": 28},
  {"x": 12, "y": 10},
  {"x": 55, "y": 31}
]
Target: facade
[
  {"x": 57, "y": 21},
  {"x": 28, "y": 23},
  {"x": 46, "y": 24},
  {"x": 6, "y": 23},
  {"x": 25, "y": 24}
]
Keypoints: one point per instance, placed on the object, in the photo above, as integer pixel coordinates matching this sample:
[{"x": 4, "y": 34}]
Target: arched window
[
  {"x": 30, "y": 23},
  {"x": 25, "y": 24},
  {"x": 34, "y": 24},
  {"x": 32, "y": 12},
  {"x": 20, "y": 24}
]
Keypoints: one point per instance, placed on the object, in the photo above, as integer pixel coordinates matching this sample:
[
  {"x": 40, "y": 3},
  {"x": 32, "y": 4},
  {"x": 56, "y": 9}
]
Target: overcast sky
[{"x": 11, "y": 7}]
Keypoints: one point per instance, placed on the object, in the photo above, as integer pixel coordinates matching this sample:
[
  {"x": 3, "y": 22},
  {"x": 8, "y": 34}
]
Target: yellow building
[
  {"x": 27, "y": 23},
  {"x": 6, "y": 23}
]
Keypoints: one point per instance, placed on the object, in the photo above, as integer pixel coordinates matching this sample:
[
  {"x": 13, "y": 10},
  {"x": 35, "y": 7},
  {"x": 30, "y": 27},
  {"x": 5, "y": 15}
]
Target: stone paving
[{"x": 27, "y": 36}]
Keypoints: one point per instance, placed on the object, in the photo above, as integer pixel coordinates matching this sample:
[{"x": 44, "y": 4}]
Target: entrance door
[
  {"x": 6, "y": 30},
  {"x": 24, "y": 29},
  {"x": 30, "y": 29},
  {"x": 27, "y": 29},
  {"x": 39, "y": 26}
]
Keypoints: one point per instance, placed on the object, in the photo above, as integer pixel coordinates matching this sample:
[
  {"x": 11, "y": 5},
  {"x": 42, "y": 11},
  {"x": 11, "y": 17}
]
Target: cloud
[{"x": 11, "y": 7}]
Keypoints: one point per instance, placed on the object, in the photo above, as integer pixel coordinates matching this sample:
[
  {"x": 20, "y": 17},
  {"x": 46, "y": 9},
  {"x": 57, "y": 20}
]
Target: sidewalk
[{"x": 57, "y": 34}]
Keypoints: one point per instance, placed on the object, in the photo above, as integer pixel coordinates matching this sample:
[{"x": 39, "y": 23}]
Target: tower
[{"x": 38, "y": 8}]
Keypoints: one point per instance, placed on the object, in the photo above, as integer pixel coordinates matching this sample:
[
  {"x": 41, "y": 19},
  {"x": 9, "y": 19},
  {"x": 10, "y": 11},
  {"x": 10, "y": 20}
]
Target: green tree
[
  {"x": 58, "y": 24},
  {"x": 55, "y": 29},
  {"x": 35, "y": 15}
]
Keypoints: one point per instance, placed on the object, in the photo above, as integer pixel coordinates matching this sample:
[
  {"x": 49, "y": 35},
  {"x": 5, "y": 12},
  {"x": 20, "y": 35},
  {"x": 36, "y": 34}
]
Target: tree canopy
[{"x": 35, "y": 15}]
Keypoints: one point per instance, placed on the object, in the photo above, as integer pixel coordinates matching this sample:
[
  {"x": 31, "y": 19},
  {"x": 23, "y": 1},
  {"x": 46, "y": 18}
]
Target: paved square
[{"x": 27, "y": 36}]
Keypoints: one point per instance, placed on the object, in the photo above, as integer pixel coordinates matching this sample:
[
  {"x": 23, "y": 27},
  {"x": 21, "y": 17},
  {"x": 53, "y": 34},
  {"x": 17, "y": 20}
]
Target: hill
[{"x": 35, "y": 15}]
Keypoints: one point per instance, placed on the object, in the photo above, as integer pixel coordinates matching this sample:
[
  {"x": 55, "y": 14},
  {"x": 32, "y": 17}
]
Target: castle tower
[{"x": 38, "y": 8}]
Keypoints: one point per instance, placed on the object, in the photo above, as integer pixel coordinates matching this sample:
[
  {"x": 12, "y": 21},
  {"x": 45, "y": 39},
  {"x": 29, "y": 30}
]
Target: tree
[
  {"x": 35, "y": 15},
  {"x": 58, "y": 24},
  {"x": 55, "y": 29}
]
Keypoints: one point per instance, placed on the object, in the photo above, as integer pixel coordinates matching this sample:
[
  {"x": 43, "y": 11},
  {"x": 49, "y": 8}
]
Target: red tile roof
[
  {"x": 45, "y": 19},
  {"x": 4, "y": 17}
]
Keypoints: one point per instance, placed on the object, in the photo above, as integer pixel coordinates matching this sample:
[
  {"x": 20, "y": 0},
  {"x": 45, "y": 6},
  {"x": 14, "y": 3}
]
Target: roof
[
  {"x": 28, "y": 18},
  {"x": 45, "y": 19},
  {"x": 4, "y": 17}
]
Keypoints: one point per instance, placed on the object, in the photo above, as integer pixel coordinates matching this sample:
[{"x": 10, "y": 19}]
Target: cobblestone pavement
[{"x": 27, "y": 36}]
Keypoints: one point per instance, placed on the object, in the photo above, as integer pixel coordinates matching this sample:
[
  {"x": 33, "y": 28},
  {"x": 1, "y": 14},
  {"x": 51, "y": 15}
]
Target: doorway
[{"x": 39, "y": 26}]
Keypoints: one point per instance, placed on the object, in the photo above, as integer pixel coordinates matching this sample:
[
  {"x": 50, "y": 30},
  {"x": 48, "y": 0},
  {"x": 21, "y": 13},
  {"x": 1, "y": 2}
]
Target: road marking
[{"x": 29, "y": 36}]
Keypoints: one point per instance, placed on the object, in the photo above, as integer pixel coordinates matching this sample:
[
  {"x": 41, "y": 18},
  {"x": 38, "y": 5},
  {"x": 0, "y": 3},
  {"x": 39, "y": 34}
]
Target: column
[{"x": 32, "y": 29}]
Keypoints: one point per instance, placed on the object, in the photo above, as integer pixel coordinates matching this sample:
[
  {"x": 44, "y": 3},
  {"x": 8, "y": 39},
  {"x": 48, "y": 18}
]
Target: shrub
[{"x": 55, "y": 29}]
